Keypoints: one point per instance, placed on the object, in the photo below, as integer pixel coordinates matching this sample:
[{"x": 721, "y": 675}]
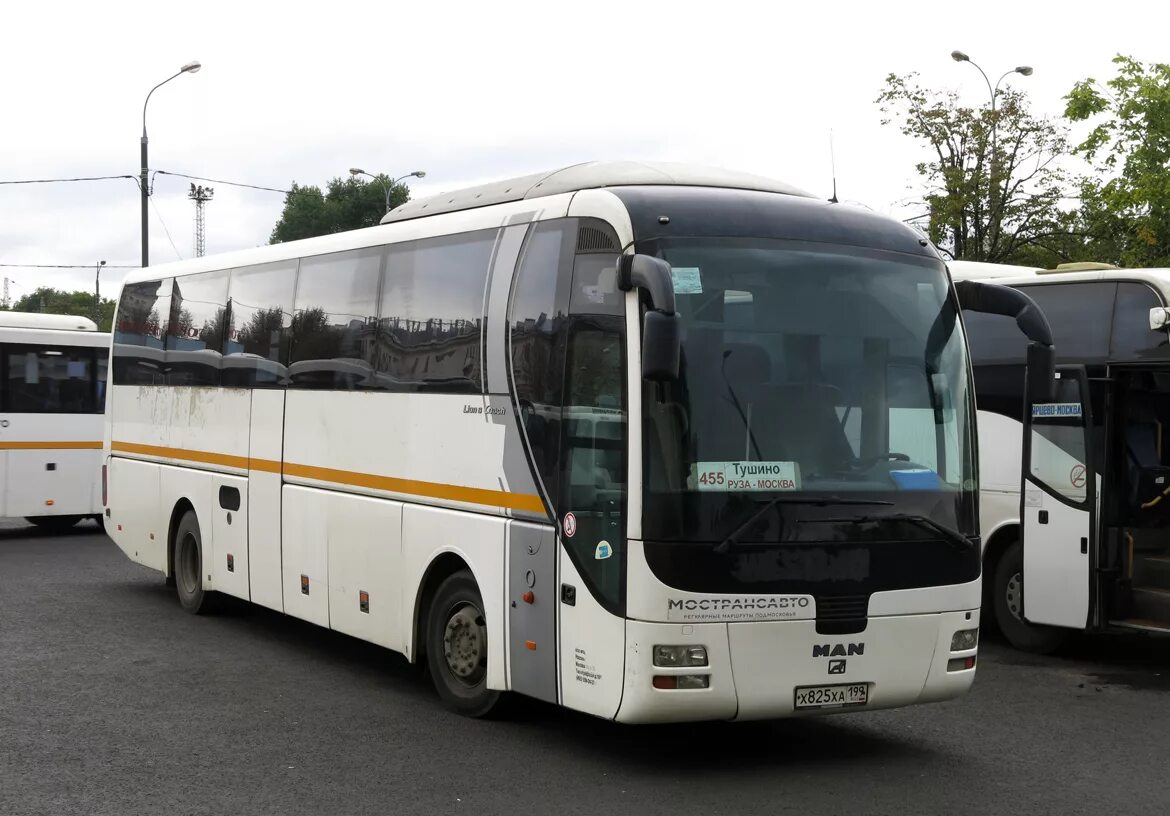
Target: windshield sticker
[
  {"x": 736, "y": 477},
  {"x": 687, "y": 280},
  {"x": 1056, "y": 409},
  {"x": 603, "y": 551},
  {"x": 570, "y": 525}
]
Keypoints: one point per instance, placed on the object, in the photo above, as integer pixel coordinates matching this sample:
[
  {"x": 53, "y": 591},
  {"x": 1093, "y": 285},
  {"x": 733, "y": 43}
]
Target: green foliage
[
  {"x": 1125, "y": 203},
  {"x": 56, "y": 301},
  {"x": 991, "y": 182},
  {"x": 346, "y": 204}
]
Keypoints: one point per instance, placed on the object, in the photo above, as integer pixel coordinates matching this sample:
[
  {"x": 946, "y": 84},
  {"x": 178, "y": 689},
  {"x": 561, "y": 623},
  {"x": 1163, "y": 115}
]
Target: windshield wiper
[
  {"x": 943, "y": 531},
  {"x": 815, "y": 501}
]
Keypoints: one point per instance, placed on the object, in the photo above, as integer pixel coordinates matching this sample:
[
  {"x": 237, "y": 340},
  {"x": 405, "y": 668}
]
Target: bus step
[
  {"x": 1142, "y": 625},
  {"x": 1151, "y": 571},
  {"x": 1152, "y": 604}
]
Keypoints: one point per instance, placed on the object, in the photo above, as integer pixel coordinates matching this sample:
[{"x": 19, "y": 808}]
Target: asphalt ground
[{"x": 114, "y": 701}]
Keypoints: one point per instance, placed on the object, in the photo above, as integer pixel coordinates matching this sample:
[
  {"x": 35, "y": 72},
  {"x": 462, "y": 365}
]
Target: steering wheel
[{"x": 870, "y": 461}]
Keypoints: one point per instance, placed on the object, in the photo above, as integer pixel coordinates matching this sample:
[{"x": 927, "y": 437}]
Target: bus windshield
[{"x": 813, "y": 401}]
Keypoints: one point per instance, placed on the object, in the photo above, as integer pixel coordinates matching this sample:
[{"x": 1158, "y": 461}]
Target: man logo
[
  {"x": 838, "y": 650},
  {"x": 836, "y": 667}
]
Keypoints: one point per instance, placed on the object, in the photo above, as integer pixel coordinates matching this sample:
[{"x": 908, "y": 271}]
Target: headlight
[
  {"x": 668, "y": 656},
  {"x": 964, "y": 640}
]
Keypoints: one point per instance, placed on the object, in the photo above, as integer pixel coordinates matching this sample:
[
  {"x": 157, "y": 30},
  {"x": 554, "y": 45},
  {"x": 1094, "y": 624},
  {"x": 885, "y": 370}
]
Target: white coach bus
[
  {"x": 52, "y": 394},
  {"x": 1092, "y": 551},
  {"x": 651, "y": 442}
]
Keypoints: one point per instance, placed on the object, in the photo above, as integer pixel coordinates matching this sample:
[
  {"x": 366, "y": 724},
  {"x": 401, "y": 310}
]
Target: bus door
[{"x": 1058, "y": 499}]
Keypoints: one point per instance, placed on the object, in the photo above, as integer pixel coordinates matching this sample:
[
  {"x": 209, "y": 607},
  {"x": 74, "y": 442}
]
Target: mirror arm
[{"x": 652, "y": 275}]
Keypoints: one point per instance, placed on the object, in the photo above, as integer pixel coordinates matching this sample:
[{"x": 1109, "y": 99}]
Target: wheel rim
[
  {"x": 465, "y": 644},
  {"x": 1014, "y": 595},
  {"x": 188, "y": 567}
]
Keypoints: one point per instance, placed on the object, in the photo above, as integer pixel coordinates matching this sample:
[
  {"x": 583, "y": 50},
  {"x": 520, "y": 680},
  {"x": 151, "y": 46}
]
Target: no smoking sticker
[
  {"x": 1077, "y": 476},
  {"x": 570, "y": 525}
]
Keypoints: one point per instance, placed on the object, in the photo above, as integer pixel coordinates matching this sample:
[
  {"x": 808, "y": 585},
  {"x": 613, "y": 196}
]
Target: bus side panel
[
  {"x": 1001, "y": 442},
  {"x": 592, "y": 649},
  {"x": 228, "y": 520},
  {"x": 265, "y": 442},
  {"x": 54, "y": 468},
  {"x": 477, "y": 539},
  {"x": 137, "y": 523},
  {"x": 365, "y": 567},
  {"x": 4, "y": 484},
  {"x": 305, "y": 554}
]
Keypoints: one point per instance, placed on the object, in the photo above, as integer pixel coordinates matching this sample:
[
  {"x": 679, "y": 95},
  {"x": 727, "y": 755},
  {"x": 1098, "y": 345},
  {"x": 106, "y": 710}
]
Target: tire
[
  {"x": 54, "y": 524},
  {"x": 1008, "y": 600},
  {"x": 188, "y": 554},
  {"x": 456, "y": 647}
]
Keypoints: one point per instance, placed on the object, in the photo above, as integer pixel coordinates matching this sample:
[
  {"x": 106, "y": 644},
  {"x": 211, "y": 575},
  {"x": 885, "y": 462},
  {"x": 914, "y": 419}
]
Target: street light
[
  {"x": 357, "y": 171},
  {"x": 1022, "y": 70},
  {"x": 189, "y": 68},
  {"x": 97, "y": 292}
]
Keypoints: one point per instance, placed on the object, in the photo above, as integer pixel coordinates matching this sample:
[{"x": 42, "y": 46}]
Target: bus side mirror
[
  {"x": 661, "y": 346},
  {"x": 1041, "y": 374},
  {"x": 661, "y": 326}
]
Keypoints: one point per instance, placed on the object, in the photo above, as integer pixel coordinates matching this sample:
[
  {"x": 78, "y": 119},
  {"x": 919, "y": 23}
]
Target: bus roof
[
  {"x": 588, "y": 176},
  {"x": 36, "y": 320},
  {"x": 1159, "y": 278}
]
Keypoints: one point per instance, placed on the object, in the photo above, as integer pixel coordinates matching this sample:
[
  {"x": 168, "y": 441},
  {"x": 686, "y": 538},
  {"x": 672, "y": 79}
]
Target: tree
[
  {"x": 992, "y": 187},
  {"x": 1125, "y": 204},
  {"x": 347, "y": 204},
  {"x": 57, "y": 301}
]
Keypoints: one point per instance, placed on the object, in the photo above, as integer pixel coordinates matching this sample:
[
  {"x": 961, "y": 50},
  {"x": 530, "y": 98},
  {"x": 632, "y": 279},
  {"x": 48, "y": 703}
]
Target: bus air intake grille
[
  {"x": 592, "y": 239},
  {"x": 842, "y": 614}
]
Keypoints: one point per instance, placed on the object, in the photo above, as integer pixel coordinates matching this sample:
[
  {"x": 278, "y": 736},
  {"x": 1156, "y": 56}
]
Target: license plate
[{"x": 848, "y": 694}]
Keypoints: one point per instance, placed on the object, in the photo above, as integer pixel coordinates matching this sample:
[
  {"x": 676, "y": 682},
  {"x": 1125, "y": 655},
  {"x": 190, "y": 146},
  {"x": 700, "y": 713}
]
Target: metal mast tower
[{"x": 200, "y": 195}]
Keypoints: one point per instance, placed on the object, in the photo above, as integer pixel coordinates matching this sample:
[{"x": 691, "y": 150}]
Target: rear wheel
[
  {"x": 54, "y": 524},
  {"x": 1008, "y": 601},
  {"x": 188, "y": 551},
  {"x": 457, "y": 647}
]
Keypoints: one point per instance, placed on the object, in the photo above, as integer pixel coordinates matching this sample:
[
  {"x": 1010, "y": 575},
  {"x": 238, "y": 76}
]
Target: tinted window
[
  {"x": 333, "y": 320},
  {"x": 196, "y": 330},
  {"x": 51, "y": 379},
  {"x": 1080, "y": 315},
  {"x": 1132, "y": 337},
  {"x": 430, "y": 329},
  {"x": 261, "y": 301},
  {"x": 994, "y": 338},
  {"x": 140, "y": 331},
  {"x": 540, "y": 303}
]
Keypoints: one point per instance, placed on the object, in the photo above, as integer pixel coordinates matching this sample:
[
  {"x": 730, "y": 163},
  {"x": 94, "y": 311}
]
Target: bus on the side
[
  {"x": 1095, "y": 504},
  {"x": 52, "y": 395},
  {"x": 652, "y": 442}
]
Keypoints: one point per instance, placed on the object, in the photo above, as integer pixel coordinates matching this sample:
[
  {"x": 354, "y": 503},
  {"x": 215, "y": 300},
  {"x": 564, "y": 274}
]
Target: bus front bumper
[{"x": 762, "y": 670}]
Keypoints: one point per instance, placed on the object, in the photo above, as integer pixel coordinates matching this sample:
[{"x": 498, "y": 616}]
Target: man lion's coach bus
[
  {"x": 52, "y": 394},
  {"x": 651, "y": 442}
]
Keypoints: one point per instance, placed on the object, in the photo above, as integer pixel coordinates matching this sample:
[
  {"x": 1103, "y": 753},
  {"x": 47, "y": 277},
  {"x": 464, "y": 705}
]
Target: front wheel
[
  {"x": 457, "y": 647},
  {"x": 1008, "y": 601}
]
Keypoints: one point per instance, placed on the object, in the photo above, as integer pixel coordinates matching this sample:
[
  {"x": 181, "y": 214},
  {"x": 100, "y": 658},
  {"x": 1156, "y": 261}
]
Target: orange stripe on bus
[
  {"x": 84, "y": 445},
  {"x": 433, "y": 490}
]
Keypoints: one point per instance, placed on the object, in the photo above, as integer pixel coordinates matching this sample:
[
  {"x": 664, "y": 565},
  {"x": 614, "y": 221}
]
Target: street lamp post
[
  {"x": 1022, "y": 70},
  {"x": 143, "y": 181},
  {"x": 389, "y": 187},
  {"x": 97, "y": 292}
]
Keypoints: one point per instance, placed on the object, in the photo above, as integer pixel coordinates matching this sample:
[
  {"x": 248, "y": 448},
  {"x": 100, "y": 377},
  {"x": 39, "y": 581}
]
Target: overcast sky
[{"x": 476, "y": 91}]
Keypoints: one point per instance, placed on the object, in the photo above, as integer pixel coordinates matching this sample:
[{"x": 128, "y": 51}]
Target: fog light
[
  {"x": 961, "y": 664},
  {"x": 668, "y": 656},
  {"x": 964, "y": 640},
  {"x": 671, "y": 682}
]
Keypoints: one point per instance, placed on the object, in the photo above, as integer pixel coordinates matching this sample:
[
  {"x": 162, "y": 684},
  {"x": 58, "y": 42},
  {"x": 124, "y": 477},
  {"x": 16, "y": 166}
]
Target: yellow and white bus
[
  {"x": 52, "y": 395},
  {"x": 653, "y": 442}
]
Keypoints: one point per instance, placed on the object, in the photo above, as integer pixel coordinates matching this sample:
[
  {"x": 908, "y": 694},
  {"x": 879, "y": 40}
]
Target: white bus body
[
  {"x": 52, "y": 392},
  {"x": 1092, "y": 551},
  {"x": 434, "y": 435}
]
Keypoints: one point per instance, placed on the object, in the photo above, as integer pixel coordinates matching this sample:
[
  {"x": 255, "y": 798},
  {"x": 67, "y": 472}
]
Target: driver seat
[{"x": 802, "y": 420}]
